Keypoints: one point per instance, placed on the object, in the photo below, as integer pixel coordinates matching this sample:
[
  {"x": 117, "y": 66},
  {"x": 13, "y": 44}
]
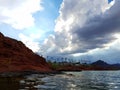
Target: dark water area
[
  {"x": 7, "y": 83},
  {"x": 85, "y": 80}
]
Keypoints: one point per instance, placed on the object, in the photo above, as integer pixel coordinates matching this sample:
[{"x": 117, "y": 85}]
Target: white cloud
[
  {"x": 29, "y": 41},
  {"x": 73, "y": 14},
  {"x": 19, "y": 13}
]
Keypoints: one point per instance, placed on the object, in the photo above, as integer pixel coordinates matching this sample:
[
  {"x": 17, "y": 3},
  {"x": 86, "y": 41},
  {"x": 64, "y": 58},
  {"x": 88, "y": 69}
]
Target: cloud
[
  {"x": 30, "y": 42},
  {"x": 19, "y": 13},
  {"x": 84, "y": 26}
]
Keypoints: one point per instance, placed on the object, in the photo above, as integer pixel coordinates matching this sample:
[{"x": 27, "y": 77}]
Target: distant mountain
[
  {"x": 100, "y": 63},
  {"x": 15, "y": 56},
  {"x": 117, "y": 66}
]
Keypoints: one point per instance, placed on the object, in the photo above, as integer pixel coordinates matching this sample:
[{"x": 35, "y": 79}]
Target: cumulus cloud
[
  {"x": 84, "y": 26},
  {"x": 19, "y": 13},
  {"x": 30, "y": 42}
]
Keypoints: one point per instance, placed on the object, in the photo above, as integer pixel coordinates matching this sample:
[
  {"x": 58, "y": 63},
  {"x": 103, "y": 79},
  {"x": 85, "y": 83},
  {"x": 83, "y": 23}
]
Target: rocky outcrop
[{"x": 15, "y": 56}]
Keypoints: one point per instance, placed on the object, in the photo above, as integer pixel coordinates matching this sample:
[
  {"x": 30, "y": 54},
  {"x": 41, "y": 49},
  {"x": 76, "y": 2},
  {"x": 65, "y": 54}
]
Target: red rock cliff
[{"x": 15, "y": 56}]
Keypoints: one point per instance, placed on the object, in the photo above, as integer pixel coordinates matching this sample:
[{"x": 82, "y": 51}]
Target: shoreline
[{"x": 25, "y": 73}]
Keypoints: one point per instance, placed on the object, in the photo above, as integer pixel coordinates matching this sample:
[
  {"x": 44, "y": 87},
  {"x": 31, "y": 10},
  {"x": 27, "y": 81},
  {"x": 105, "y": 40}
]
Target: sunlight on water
[{"x": 85, "y": 80}]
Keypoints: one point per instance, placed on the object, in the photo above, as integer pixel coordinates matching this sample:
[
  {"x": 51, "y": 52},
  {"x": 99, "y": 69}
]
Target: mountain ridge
[{"x": 15, "y": 56}]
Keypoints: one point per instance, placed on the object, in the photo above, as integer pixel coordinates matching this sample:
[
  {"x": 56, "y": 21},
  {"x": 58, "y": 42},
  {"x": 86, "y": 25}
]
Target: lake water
[{"x": 85, "y": 80}]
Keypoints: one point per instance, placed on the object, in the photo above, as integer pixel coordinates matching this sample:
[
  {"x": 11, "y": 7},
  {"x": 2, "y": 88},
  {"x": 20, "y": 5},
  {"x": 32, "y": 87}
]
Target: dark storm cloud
[{"x": 99, "y": 30}]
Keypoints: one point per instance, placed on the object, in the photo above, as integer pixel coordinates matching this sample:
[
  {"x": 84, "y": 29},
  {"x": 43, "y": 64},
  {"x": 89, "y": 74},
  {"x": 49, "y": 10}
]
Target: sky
[{"x": 82, "y": 29}]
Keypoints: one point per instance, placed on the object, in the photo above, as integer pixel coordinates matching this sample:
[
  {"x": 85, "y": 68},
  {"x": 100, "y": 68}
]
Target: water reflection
[{"x": 9, "y": 83}]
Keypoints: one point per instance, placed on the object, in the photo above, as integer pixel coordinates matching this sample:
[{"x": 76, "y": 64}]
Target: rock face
[{"x": 15, "y": 56}]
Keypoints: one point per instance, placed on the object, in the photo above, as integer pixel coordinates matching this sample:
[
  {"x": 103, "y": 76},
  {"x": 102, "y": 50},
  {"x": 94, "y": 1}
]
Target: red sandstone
[{"x": 15, "y": 56}]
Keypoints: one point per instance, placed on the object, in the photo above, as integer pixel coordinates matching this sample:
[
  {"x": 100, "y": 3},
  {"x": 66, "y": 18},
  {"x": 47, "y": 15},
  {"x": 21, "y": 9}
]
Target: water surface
[{"x": 85, "y": 80}]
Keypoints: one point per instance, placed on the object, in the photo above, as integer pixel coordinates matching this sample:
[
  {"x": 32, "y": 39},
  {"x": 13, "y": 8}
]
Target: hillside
[{"x": 15, "y": 56}]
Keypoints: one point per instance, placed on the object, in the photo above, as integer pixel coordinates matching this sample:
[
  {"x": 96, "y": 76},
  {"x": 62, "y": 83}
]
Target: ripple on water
[
  {"x": 45, "y": 87},
  {"x": 87, "y": 81}
]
